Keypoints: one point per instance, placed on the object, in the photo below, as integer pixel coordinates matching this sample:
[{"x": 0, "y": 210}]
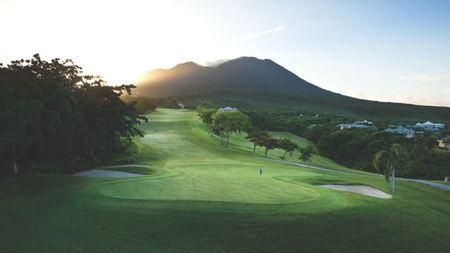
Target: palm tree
[{"x": 388, "y": 161}]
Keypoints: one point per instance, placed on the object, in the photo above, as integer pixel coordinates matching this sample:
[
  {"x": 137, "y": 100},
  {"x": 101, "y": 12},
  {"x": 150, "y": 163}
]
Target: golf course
[{"x": 195, "y": 195}]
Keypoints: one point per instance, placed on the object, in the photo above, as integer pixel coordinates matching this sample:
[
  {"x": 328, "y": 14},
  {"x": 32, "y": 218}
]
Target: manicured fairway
[{"x": 199, "y": 196}]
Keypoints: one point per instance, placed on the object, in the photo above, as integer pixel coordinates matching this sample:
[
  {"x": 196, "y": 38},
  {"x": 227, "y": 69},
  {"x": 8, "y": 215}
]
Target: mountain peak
[
  {"x": 246, "y": 60},
  {"x": 187, "y": 65},
  {"x": 247, "y": 74}
]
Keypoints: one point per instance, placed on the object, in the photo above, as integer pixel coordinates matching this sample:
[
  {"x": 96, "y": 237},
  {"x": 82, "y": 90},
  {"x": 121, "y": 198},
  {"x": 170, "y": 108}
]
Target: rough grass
[{"x": 203, "y": 197}]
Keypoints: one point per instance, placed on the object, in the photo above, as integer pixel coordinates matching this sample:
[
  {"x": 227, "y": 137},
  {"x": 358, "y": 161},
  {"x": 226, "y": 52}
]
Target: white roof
[{"x": 228, "y": 108}]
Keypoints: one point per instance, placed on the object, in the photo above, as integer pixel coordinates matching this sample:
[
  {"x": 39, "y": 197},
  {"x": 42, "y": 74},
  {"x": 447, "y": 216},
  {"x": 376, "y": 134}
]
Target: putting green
[{"x": 221, "y": 183}]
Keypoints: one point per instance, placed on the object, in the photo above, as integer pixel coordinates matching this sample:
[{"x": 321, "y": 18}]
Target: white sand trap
[
  {"x": 106, "y": 173},
  {"x": 361, "y": 189}
]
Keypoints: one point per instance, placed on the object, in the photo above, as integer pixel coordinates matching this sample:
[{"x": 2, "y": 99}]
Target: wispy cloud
[
  {"x": 280, "y": 27},
  {"x": 214, "y": 63},
  {"x": 424, "y": 100},
  {"x": 358, "y": 94},
  {"x": 427, "y": 77}
]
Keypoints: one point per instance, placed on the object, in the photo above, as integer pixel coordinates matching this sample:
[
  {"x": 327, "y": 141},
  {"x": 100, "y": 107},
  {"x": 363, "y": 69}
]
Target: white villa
[
  {"x": 430, "y": 126},
  {"x": 356, "y": 125},
  {"x": 227, "y": 109},
  {"x": 408, "y": 133},
  {"x": 364, "y": 122},
  {"x": 352, "y": 125}
]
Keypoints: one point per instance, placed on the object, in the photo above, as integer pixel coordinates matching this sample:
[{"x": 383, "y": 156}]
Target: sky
[{"x": 396, "y": 51}]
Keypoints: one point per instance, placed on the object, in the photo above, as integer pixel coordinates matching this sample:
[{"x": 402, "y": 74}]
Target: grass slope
[{"x": 203, "y": 197}]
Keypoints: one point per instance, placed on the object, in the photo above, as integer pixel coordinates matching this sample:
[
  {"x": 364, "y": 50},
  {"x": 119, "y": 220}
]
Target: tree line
[
  {"x": 225, "y": 123},
  {"x": 145, "y": 105},
  {"x": 54, "y": 118},
  {"x": 356, "y": 148}
]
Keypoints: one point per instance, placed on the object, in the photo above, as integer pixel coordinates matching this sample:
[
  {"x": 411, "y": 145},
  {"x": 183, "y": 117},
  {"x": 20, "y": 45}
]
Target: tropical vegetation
[{"x": 55, "y": 119}]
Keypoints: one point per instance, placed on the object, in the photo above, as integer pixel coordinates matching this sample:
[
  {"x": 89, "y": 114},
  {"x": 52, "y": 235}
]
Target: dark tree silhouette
[{"x": 52, "y": 115}]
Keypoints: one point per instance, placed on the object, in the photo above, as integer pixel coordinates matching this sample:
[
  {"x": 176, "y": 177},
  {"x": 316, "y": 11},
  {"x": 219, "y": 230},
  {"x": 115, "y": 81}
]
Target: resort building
[
  {"x": 430, "y": 126},
  {"x": 408, "y": 133},
  {"x": 227, "y": 109}
]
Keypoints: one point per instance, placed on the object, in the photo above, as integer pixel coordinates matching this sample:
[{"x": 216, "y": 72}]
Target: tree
[
  {"x": 143, "y": 105},
  {"x": 53, "y": 115},
  {"x": 288, "y": 146},
  {"x": 230, "y": 122},
  {"x": 256, "y": 136},
  {"x": 307, "y": 152},
  {"x": 269, "y": 143},
  {"x": 205, "y": 115},
  {"x": 218, "y": 124},
  {"x": 388, "y": 161}
]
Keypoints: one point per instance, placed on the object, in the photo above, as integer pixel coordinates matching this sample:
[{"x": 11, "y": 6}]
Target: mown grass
[
  {"x": 137, "y": 169},
  {"x": 203, "y": 197}
]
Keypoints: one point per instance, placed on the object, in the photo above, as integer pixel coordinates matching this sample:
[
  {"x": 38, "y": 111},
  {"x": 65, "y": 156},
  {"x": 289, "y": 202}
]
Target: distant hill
[{"x": 261, "y": 85}]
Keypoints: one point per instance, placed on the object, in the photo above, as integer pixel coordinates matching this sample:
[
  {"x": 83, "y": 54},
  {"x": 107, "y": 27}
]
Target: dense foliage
[
  {"x": 307, "y": 152},
  {"x": 143, "y": 105},
  {"x": 228, "y": 122},
  {"x": 288, "y": 146},
  {"x": 205, "y": 114},
  {"x": 269, "y": 143},
  {"x": 255, "y": 136},
  {"x": 356, "y": 148},
  {"x": 52, "y": 118}
]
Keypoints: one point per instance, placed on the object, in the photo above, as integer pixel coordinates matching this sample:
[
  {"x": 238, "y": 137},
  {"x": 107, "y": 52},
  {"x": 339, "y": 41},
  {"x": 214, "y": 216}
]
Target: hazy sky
[{"x": 379, "y": 50}]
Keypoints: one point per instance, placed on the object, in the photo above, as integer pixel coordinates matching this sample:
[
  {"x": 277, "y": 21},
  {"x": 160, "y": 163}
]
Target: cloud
[
  {"x": 446, "y": 91},
  {"x": 427, "y": 77},
  {"x": 280, "y": 27},
  {"x": 424, "y": 100},
  {"x": 358, "y": 94},
  {"x": 214, "y": 63}
]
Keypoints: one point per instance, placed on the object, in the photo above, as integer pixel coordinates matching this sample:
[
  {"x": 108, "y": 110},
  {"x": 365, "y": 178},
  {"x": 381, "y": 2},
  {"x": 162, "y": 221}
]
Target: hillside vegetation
[{"x": 263, "y": 86}]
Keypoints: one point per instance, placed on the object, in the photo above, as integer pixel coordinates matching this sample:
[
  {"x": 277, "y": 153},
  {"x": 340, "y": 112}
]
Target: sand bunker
[
  {"x": 106, "y": 173},
  {"x": 361, "y": 189}
]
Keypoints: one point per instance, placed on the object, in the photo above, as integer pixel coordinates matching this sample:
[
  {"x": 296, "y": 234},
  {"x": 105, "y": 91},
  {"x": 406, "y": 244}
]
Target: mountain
[
  {"x": 242, "y": 75},
  {"x": 253, "y": 84}
]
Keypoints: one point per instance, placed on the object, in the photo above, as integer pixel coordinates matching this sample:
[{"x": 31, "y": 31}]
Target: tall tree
[
  {"x": 288, "y": 146},
  {"x": 255, "y": 136},
  {"x": 387, "y": 161},
  {"x": 307, "y": 152},
  {"x": 230, "y": 122},
  {"x": 205, "y": 115},
  {"x": 270, "y": 143}
]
